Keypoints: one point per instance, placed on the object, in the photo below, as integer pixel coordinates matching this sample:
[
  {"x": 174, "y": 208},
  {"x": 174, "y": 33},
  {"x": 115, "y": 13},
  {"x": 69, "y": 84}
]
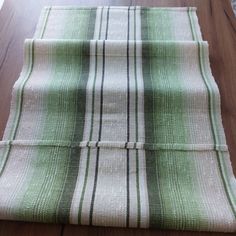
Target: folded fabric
[
  {"x": 118, "y": 23},
  {"x": 115, "y": 121}
]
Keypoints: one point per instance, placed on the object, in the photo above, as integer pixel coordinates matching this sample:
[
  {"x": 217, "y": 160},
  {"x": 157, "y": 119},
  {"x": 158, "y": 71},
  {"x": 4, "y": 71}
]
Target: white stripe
[
  {"x": 89, "y": 188},
  {"x": 138, "y": 23},
  {"x": 181, "y": 18},
  {"x": 132, "y": 113},
  {"x": 75, "y": 203},
  {"x": 104, "y": 22},
  {"x": 141, "y": 132},
  {"x": 18, "y": 171},
  {"x": 133, "y": 211},
  {"x": 97, "y": 93},
  {"x": 34, "y": 92},
  {"x": 133, "y": 204},
  {"x": 144, "y": 202},
  {"x": 89, "y": 93},
  {"x": 110, "y": 198},
  {"x": 17, "y": 174},
  {"x": 55, "y": 24},
  {"x": 212, "y": 192},
  {"x": 97, "y": 23},
  {"x": 195, "y": 100},
  {"x": 118, "y": 24},
  {"x": 112, "y": 164},
  {"x": 114, "y": 119}
]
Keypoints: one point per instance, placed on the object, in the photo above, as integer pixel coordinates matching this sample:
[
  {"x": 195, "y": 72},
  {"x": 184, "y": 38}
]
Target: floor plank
[
  {"x": 10, "y": 228},
  {"x": 71, "y": 230}
]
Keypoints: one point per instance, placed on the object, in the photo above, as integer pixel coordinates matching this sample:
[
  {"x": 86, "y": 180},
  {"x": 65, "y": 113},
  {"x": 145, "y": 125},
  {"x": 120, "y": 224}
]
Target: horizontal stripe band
[
  {"x": 122, "y": 8},
  {"x": 114, "y": 48},
  {"x": 120, "y": 145}
]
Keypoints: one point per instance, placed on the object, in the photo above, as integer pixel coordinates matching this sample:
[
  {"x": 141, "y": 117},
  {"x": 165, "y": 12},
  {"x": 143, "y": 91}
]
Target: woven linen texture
[{"x": 115, "y": 121}]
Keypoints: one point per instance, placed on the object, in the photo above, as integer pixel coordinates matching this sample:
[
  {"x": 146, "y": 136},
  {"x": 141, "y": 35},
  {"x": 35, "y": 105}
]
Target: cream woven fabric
[{"x": 115, "y": 121}]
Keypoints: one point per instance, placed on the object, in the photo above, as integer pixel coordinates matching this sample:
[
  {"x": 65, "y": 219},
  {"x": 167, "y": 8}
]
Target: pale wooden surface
[{"x": 17, "y": 22}]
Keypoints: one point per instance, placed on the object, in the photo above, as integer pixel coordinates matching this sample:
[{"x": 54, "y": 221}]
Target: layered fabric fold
[
  {"x": 118, "y": 23},
  {"x": 115, "y": 121}
]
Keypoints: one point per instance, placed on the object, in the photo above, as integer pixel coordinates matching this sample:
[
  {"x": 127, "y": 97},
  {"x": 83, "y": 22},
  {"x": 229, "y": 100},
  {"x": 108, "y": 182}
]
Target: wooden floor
[{"x": 17, "y": 22}]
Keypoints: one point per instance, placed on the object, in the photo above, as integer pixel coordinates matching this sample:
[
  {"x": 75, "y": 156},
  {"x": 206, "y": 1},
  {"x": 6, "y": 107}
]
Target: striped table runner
[{"x": 115, "y": 121}]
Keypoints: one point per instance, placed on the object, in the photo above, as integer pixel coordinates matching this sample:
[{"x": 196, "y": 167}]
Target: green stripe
[
  {"x": 35, "y": 196},
  {"x": 70, "y": 182},
  {"x": 61, "y": 129},
  {"x": 45, "y": 189},
  {"x": 170, "y": 175},
  {"x": 157, "y": 25},
  {"x": 77, "y": 29},
  {"x": 152, "y": 182}
]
